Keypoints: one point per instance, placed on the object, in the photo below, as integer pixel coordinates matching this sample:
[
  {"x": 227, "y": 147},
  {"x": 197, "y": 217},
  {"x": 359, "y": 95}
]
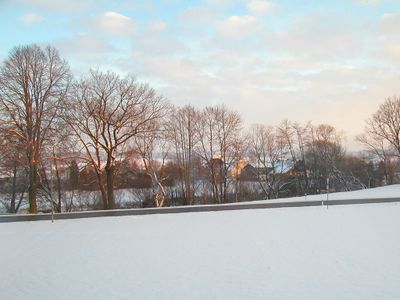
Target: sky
[{"x": 323, "y": 61}]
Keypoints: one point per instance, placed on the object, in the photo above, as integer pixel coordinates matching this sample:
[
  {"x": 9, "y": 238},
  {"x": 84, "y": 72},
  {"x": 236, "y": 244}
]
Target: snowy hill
[
  {"x": 344, "y": 252},
  {"x": 389, "y": 191}
]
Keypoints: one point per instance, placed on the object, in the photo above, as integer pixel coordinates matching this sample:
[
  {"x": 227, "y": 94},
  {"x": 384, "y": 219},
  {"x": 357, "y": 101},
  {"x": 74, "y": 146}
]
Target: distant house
[
  {"x": 251, "y": 173},
  {"x": 244, "y": 171},
  {"x": 285, "y": 167},
  {"x": 216, "y": 169}
]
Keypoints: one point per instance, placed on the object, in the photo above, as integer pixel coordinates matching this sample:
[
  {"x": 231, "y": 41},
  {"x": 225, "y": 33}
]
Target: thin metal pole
[
  {"x": 327, "y": 191},
  {"x": 51, "y": 192}
]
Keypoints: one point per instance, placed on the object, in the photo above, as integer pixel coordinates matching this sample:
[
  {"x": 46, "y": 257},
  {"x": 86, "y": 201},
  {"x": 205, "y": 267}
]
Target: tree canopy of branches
[
  {"x": 324, "y": 153},
  {"x": 181, "y": 130},
  {"x": 12, "y": 165},
  {"x": 382, "y": 131},
  {"x": 148, "y": 146},
  {"x": 105, "y": 112},
  {"x": 106, "y": 131},
  {"x": 33, "y": 83},
  {"x": 297, "y": 139},
  {"x": 268, "y": 150},
  {"x": 219, "y": 132}
]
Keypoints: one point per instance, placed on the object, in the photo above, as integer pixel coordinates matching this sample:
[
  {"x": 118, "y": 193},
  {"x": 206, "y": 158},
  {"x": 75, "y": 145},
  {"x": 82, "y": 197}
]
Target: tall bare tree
[
  {"x": 219, "y": 130},
  {"x": 153, "y": 148},
  {"x": 268, "y": 151},
  {"x": 381, "y": 135},
  {"x": 12, "y": 165},
  {"x": 56, "y": 157},
  {"x": 105, "y": 112},
  {"x": 297, "y": 138},
  {"x": 184, "y": 138},
  {"x": 382, "y": 131},
  {"x": 33, "y": 83},
  {"x": 324, "y": 154}
]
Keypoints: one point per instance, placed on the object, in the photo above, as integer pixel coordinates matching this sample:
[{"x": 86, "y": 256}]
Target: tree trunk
[
  {"x": 32, "y": 188},
  {"x": 110, "y": 187},
  {"x": 21, "y": 197},
  {"x": 59, "y": 195},
  {"x": 14, "y": 191},
  {"x": 102, "y": 190}
]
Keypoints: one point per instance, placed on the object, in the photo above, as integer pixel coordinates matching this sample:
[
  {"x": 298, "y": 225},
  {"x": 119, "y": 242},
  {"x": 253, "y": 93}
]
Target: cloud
[
  {"x": 387, "y": 40},
  {"x": 31, "y": 18},
  {"x": 197, "y": 14},
  {"x": 238, "y": 26},
  {"x": 182, "y": 81},
  {"x": 85, "y": 47},
  {"x": 158, "y": 25},
  {"x": 114, "y": 23},
  {"x": 299, "y": 63},
  {"x": 221, "y": 3},
  {"x": 260, "y": 7},
  {"x": 59, "y": 5},
  {"x": 311, "y": 68},
  {"x": 368, "y": 2},
  {"x": 392, "y": 52},
  {"x": 319, "y": 38},
  {"x": 158, "y": 45},
  {"x": 84, "y": 51},
  {"x": 389, "y": 23}
]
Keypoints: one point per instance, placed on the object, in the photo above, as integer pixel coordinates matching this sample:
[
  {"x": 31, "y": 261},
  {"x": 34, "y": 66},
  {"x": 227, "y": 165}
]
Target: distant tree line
[{"x": 63, "y": 137}]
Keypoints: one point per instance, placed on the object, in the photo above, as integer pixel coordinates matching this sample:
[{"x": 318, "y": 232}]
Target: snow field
[
  {"x": 389, "y": 191},
  {"x": 349, "y": 252}
]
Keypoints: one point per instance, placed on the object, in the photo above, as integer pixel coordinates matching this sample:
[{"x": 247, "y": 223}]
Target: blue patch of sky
[{"x": 57, "y": 25}]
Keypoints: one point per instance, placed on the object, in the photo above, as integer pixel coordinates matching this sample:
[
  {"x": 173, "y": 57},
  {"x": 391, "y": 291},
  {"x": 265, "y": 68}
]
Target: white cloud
[
  {"x": 114, "y": 23},
  {"x": 392, "y": 52},
  {"x": 389, "y": 23},
  {"x": 85, "y": 51},
  {"x": 221, "y": 3},
  {"x": 260, "y": 7},
  {"x": 56, "y": 5},
  {"x": 85, "y": 47},
  {"x": 238, "y": 26},
  {"x": 31, "y": 18},
  {"x": 87, "y": 42},
  {"x": 368, "y": 2},
  {"x": 319, "y": 39},
  {"x": 197, "y": 14},
  {"x": 388, "y": 38},
  {"x": 310, "y": 67},
  {"x": 158, "y": 45},
  {"x": 158, "y": 25}
]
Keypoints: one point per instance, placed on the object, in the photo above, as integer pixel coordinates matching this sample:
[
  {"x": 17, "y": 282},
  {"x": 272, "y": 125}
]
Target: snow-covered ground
[
  {"x": 389, "y": 191},
  {"x": 128, "y": 198},
  {"x": 344, "y": 252}
]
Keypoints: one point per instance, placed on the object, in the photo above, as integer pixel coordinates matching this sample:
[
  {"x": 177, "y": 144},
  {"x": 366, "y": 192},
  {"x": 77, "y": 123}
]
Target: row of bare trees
[
  {"x": 33, "y": 85},
  {"x": 44, "y": 110},
  {"x": 49, "y": 120}
]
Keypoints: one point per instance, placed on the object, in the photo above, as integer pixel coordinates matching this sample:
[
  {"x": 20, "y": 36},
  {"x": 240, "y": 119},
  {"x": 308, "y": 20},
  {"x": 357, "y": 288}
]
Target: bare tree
[
  {"x": 153, "y": 149},
  {"x": 58, "y": 154},
  {"x": 12, "y": 166},
  {"x": 382, "y": 132},
  {"x": 240, "y": 150},
  {"x": 324, "y": 154},
  {"x": 184, "y": 138},
  {"x": 219, "y": 130},
  {"x": 297, "y": 137},
  {"x": 268, "y": 152},
  {"x": 33, "y": 83},
  {"x": 105, "y": 112},
  {"x": 381, "y": 135}
]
